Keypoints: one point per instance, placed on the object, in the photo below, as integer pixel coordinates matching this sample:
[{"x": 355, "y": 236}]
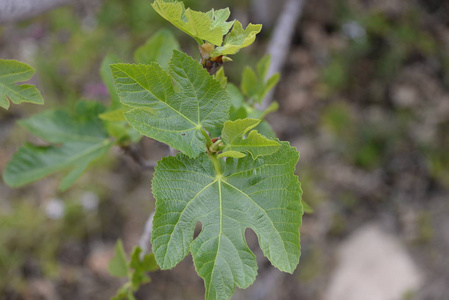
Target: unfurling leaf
[
  {"x": 172, "y": 107},
  {"x": 261, "y": 194},
  {"x": 12, "y": 72},
  {"x": 210, "y": 26},
  {"x": 235, "y": 139},
  {"x": 237, "y": 39}
]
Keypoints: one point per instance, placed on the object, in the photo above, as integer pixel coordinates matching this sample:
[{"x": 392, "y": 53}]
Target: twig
[
  {"x": 134, "y": 154},
  {"x": 282, "y": 35},
  {"x": 145, "y": 238},
  {"x": 18, "y": 10}
]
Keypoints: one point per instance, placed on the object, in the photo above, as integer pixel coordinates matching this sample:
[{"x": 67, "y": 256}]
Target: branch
[
  {"x": 145, "y": 238},
  {"x": 135, "y": 155},
  {"x": 282, "y": 35},
  {"x": 18, "y": 10}
]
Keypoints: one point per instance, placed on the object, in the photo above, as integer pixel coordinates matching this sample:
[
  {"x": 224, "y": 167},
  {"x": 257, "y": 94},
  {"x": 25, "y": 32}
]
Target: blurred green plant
[{"x": 134, "y": 270}]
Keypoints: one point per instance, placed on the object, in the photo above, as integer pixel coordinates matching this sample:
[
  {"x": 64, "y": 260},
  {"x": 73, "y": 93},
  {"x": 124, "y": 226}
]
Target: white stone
[{"x": 372, "y": 265}]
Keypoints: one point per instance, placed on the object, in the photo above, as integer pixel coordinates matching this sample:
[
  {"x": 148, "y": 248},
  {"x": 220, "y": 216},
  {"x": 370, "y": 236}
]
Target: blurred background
[{"x": 364, "y": 96}]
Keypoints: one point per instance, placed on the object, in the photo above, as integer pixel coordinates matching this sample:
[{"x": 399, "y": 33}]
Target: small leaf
[
  {"x": 159, "y": 48},
  {"x": 250, "y": 83},
  {"x": 234, "y": 130},
  {"x": 233, "y": 135},
  {"x": 233, "y": 154},
  {"x": 262, "y": 194},
  {"x": 270, "y": 84},
  {"x": 78, "y": 139},
  {"x": 221, "y": 77},
  {"x": 12, "y": 72},
  {"x": 256, "y": 144},
  {"x": 237, "y": 98},
  {"x": 146, "y": 264},
  {"x": 254, "y": 85},
  {"x": 118, "y": 266},
  {"x": 263, "y": 66},
  {"x": 237, "y": 39},
  {"x": 210, "y": 26},
  {"x": 169, "y": 116}
]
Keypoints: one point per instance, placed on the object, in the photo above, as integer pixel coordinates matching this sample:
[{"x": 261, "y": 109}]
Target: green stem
[
  {"x": 208, "y": 140},
  {"x": 199, "y": 41},
  {"x": 216, "y": 162}
]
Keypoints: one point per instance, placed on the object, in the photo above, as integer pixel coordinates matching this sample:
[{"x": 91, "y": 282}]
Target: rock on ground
[{"x": 373, "y": 265}]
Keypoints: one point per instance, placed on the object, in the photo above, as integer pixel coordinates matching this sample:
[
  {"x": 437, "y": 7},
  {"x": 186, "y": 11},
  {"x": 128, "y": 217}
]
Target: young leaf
[
  {"x": 12, "y": 72},
  {"x": 173, "y": 117},
  {"x": 237, "y": 99},
  {"x": 254, "y": 85},
  {"x": 262, "y": 194},
  {"x": 118, "y": 266},
  {"x": 263, "y": 65},
  {"x": 210, "y": 26},
  {"x": 234, "y": 130},
  {"x": 159, "y": 48},
  {"x": 78, "y": 140},
  {"x": 141, "y": 267},
  {"x": 221, "y": 77},
  {"x": 237, "y": 39},
  {"x": 233, "y": 135},
  {"x": 250, "y": 83},
  {"x": 233, "y": 154}
]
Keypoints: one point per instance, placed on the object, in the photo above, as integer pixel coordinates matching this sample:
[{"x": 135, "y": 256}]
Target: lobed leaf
[
  {"x": 261, "y": 194},
  {"x": 235, "y": 139},
  {"x": 172, "y": 107},
  {"x": 12, "y": 72},
  {"x": 237, "y": 39},
  {"x": 210, "y": 26}
]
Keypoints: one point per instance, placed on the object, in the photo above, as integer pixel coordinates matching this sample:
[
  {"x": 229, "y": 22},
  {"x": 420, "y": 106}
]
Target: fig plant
[{"x": 231, "y": 174}]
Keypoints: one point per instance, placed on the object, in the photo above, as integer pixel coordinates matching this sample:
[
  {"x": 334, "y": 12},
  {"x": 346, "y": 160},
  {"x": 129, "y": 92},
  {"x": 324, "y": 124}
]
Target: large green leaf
[
  {"x": 12, "y": 72},
  {"x": 210, "y": 26},
  {"x": 237, "y": 39},
  {"x": 262, "y": 194},
  {"x": 77, "y": 140},
  {"x": 235, "y": 137},
  {"x": 172, "y": 107},
  {"x": 159, "y": 48}
]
